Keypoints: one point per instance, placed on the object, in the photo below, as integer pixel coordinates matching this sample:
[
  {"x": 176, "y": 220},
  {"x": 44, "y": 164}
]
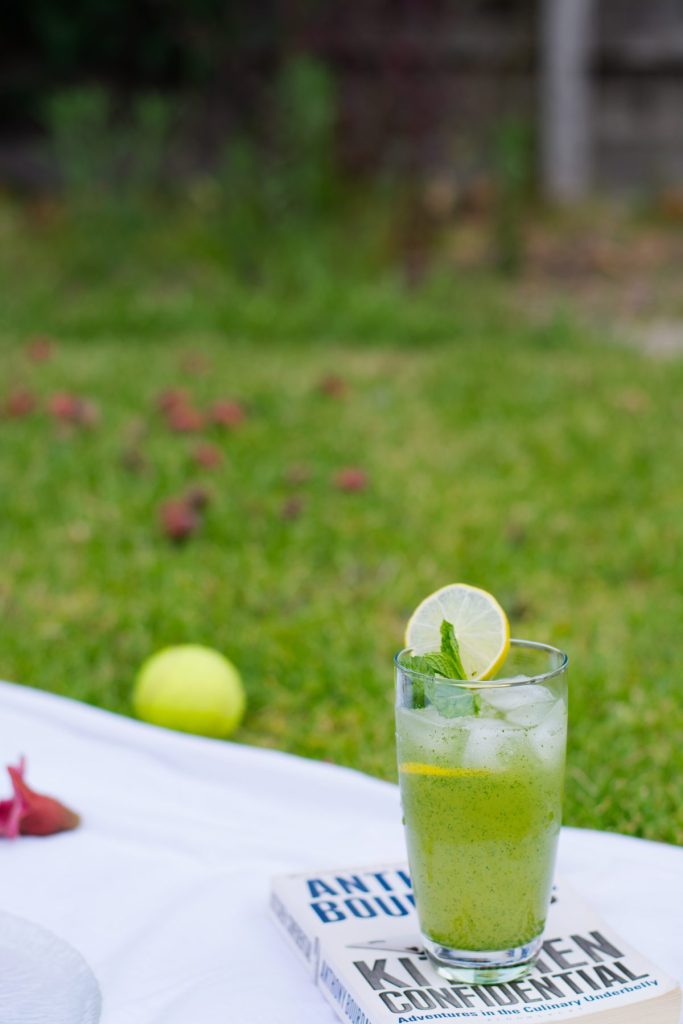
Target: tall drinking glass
[{"x": 481, "y": 770}]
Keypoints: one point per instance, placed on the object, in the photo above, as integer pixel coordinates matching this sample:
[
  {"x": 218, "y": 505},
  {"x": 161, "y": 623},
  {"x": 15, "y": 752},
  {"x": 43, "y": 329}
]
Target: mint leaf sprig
[
  {"x": 448, "y": 664},
  {"x": 445, "y": 662}
]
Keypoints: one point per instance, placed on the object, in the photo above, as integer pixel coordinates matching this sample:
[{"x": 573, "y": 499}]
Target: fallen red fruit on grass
[
  {"x": 134, "y": 461},
  {"x": 74, "y": 409},
  {"x": 184, "y": 419},
  {"x": 208, "y": 456},
  {"x": 88, "y": 413},
  {"x": 63, "y": 406},
  {"x": 351, "y": 478},
  {"x": 29, "y": 813},
  {"x": 40, "y": 349},
  {"x": 19, "y": 403},
  {"x": 291, "y": 509},
  {"x": 179, "y": 519},
  {"x": 228, "y": 413},
  {"x": 198, "y": 497},
  {"x": 172, "y": 398},
  {"x": 333, "y": 386}
]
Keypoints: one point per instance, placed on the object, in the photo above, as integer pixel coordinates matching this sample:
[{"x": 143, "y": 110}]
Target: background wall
[{"x": 420, "y": 84}]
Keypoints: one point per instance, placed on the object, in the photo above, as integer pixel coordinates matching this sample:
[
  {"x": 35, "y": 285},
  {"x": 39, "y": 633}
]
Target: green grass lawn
[{"x": 538, "y": 464}]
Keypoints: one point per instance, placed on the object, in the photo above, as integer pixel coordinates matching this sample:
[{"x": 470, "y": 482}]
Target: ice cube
[
  {"x": 425, "y": 735},
  {"x": 521, "y": 705},
  {"x": 548, "y": 738},
  {"x": 489, "y": 743}
]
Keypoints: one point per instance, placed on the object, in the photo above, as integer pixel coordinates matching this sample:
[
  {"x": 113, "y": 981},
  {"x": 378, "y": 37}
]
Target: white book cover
[{"x": 356, "y": 932}]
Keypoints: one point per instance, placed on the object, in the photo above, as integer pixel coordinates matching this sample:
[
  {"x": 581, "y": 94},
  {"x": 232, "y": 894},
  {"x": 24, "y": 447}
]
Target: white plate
[{"x": 43, "y": 980}]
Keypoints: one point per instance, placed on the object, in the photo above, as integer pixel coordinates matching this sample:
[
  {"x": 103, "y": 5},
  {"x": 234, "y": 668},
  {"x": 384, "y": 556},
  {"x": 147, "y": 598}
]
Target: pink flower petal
[
  {"x": 10, "y": 816},
  {"x": 31, "y": 813}
]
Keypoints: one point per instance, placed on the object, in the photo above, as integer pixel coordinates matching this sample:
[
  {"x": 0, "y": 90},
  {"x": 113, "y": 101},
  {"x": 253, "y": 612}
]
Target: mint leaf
[
  {"x": 449, "y": 702},
  {"x": 451, "y": 649},
  {"x": 436, "y": 664},
  {"x": 446, "y": 662}
]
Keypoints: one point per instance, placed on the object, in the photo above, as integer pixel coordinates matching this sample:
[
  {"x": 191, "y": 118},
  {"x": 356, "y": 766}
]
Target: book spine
[
  {"x": 334, "y": 984},
  {"x": 343, "y": 996},
  {"x": 303, "y": 942}
]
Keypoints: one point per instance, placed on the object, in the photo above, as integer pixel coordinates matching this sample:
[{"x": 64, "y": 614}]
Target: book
[{"x": 356, "y": 933}]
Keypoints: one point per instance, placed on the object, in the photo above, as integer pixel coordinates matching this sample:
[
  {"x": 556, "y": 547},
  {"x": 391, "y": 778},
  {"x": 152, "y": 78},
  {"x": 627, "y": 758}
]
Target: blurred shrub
[
  {"x": 78, "y": 124},
  {"x": 306, "y": 114},
  {"x": 144, "y": 144},
  {"x": 111, "y": 165},
  {"x": 513, "y": 167},
  {"x": 275, "y": 211},
  {"x": 276, "y": 188},
  {"x": 102, "y": 155}
]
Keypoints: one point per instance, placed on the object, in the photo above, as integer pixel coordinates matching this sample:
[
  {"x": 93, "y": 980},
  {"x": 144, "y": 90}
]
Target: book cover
[{"x": 356, "y": 933}]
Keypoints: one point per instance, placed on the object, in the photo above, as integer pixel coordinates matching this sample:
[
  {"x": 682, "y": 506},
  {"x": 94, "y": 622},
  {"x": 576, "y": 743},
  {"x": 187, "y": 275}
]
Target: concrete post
[{"x": 565, "y": 98}]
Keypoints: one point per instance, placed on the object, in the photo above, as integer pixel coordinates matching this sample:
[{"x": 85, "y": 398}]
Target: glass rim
[{"x": 480, "y": 684}]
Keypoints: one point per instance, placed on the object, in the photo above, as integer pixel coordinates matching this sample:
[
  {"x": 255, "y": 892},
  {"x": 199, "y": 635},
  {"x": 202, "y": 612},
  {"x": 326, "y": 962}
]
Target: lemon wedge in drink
[
  {"x": 480, "y": 625},
  {"x": 417, "y": 768}
]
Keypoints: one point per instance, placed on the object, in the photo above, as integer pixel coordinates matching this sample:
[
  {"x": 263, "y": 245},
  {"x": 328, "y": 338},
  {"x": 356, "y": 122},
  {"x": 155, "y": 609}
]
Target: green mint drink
[{"x": 481, "y": 771}]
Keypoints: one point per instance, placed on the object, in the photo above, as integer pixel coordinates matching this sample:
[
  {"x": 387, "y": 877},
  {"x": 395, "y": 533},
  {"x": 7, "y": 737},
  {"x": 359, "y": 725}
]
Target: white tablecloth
[{"x": 164, "y": 887}]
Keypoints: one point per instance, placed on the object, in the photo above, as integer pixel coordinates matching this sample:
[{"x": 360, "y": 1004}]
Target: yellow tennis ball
[{"x": 191, "y": 688}]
